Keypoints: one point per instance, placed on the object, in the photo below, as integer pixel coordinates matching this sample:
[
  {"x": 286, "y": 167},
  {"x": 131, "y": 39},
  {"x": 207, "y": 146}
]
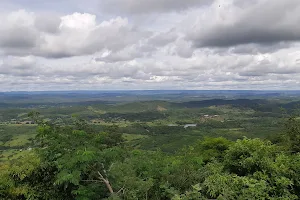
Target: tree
[
  {"x": 292, "y": 135},
  {"x": 211, "y": 148},
  {"x": 80, "y": 157},
  {"x": 251, "y": 169}
]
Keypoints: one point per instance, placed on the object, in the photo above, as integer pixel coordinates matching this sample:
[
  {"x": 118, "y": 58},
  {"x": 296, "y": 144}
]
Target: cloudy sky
[{"x": 149, "y": 44}]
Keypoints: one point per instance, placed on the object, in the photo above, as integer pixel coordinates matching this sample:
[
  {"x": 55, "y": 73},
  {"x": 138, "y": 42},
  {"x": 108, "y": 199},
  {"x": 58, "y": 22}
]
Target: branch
[
  {"x": 122, "y": 189},
  {"x": 106, "y": 183},
  {"x": 110, "y": 166},
  {"x": 101, "y": 176}
]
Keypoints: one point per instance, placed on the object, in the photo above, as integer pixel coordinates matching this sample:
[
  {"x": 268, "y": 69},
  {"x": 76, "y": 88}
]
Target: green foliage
[
  {"x": 251, "y": 169},
  {"x": 13, "y": 177},
  {"x": 212, "y": 148},
  {"x": 79, "y": 156},
  {"x": 73, "y": 157},
  {"x": 155, "y": 175},
  {"x": 248, "y": 156},
  {"x": 293, "y": 134},
  {"x": 83, "y": 161},
  {"x": 141, "y": 116}
]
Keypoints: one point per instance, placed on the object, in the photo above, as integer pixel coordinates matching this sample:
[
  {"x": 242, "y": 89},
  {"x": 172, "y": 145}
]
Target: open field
[{"x": 150, "y": 121}]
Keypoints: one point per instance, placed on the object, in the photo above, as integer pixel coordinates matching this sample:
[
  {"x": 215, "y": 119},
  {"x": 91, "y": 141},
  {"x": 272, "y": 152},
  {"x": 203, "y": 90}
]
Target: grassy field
[
  {"x": 20, "y": 140},
  {"x": 145, "y": 124},
  {"x": 133, "y": 137},
  {"x": 15, "y": 140},
  {"x": 13, "y": 154}
]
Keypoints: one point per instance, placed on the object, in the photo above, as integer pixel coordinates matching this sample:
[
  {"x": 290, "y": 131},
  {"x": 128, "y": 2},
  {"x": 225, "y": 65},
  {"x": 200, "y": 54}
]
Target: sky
[{"x": 149, "y": 44}]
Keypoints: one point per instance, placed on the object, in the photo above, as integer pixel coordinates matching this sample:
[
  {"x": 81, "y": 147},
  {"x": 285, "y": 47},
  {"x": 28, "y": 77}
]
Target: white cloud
[{"x": 77, "y": 34}]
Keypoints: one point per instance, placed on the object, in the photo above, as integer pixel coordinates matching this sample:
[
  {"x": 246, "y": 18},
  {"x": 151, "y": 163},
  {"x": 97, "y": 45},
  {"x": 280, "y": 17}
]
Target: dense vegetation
[
  {"x": 240, "y": 149},
  {"x": 76, "y": 162}
]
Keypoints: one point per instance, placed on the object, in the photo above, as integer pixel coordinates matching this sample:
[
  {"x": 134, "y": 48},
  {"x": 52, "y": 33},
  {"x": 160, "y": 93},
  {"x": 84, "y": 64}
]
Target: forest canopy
[{"x": 78, "y": 162}]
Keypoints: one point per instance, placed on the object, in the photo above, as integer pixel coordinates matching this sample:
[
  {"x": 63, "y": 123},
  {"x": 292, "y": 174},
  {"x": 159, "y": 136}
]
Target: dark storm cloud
[
  {"x": 224, "y": 36},
  {"x": 265, "y": 22},
  {"x": 149, "y": 6}
]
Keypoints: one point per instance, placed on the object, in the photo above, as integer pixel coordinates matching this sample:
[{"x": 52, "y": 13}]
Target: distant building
[
  {"x": 13, "y": 121},
  {"x": 209, "y": 116}
]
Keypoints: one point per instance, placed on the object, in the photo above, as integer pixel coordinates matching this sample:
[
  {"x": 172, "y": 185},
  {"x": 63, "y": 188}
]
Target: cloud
[
  {"x": 282, "y": 62},
  {"x": 183, "y": 48},
  {"x": 18, "y": 66},
  {"x": 257, "y": 48},
  {"x": 163, "y": 38},
  {"x": 146, "y": 6},
  {"x": 204, "y": 70},
  {"x": 48, "y": 23},
  {"x": 17, "y": 31},
  {"x": 224, "y": 45},
  {"x": 262, "y": 22},
  {"x": 129, "y": 53},
  {"x": 71, "y": 35}
]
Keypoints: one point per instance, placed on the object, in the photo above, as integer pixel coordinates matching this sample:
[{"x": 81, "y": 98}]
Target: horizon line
[{"x": 124, "y": 90}]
